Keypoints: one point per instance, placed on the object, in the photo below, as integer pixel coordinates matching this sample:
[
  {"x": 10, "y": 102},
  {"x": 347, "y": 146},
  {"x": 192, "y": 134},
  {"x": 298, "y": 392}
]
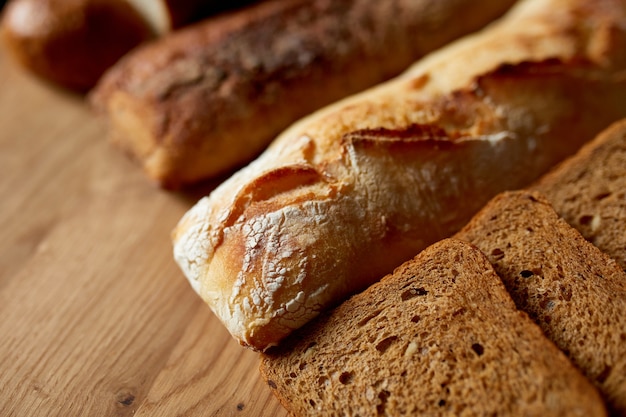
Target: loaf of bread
[
  {"x": 350, "y": 192},
  {"x": 572, "y": 290},
  {"x": 68, "y": 42},
  {"x": 208, "y": 99},
  {"x": 589, "y": 191},
  {"x": 438, "y": 337},
  {"x": 72, "y": 42}
]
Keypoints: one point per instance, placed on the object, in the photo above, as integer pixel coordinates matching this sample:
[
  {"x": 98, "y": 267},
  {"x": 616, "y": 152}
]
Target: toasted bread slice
[
  {"x": 589, "y": 191},
  {"x": 439, "y": 336},
  {"x": 576, "y": 293}
]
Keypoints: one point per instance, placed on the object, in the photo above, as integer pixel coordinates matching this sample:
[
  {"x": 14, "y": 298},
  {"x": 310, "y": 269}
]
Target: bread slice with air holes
[
  {"x": 572, "y": 290},
  {"x": 589, "y": 191},
  {"x": 438, "y": 336}
]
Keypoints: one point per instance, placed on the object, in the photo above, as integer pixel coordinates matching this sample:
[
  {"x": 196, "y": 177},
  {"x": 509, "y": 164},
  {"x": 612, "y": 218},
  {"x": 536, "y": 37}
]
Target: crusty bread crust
[
  {"x": 209, "y": 98},
  {"x": 350, "y": 192},
  {"x": 438, "y": 337}
]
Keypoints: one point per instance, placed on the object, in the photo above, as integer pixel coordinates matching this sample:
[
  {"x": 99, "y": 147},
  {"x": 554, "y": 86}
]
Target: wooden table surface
[{"x": 96, "y": 319}]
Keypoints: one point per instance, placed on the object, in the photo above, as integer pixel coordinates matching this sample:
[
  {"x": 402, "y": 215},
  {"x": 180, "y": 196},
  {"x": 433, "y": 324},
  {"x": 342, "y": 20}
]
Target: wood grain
[{"x": 96, "y": 319}]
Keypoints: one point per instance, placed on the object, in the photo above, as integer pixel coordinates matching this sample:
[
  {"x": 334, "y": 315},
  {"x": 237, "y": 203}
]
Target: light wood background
[{"x": 95, "y": 317}]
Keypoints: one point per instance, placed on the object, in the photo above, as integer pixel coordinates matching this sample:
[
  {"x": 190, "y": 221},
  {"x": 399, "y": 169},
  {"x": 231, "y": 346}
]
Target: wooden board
[{"x": 96, "y": 318}]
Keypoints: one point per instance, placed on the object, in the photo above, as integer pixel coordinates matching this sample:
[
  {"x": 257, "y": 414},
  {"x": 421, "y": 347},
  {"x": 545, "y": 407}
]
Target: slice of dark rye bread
[
  {"x": 575, "y": 292},
  {"x": 439, "y": 336},
  {"x": 589, "y": 191}
]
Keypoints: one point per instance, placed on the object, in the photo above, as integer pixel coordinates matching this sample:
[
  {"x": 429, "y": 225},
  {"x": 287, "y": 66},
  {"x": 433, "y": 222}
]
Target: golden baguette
[{"x": 352, "y": 191}]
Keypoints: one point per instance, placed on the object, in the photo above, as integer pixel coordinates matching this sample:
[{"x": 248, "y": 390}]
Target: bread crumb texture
[
  {"x": 439, "y": 336},
  {"x": 589, "y": 191},
  {"x": 572, "y": 290}
]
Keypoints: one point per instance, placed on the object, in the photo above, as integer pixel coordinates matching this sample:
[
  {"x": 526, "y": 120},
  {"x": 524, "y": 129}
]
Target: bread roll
[
  {"x": 72, "y": 42},
  {"x": 347, "y": 194},
  {"x": 210, "y": 98}
]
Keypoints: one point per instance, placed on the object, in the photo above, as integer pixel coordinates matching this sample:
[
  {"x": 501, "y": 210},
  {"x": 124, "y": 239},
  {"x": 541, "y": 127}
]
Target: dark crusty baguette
[
  {"x": 576, "y": 293},
  {"x": 589, "y": 191},
  {"x": 210, "y": 98},
  {"x": 350, "y": 192},
  {"x": 438, "y": 337}
]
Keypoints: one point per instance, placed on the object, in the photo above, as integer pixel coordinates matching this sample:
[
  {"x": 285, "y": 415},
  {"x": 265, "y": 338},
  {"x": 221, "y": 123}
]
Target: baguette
[
  {"x": 589, "y": 191},
  {"x": 438, "y": 337},
  {"x": 72, "y": 42},
  {"x": 572, "y": 290},
  {"x": 210, "y": 98},
  {"x": 350, "y": 192}
]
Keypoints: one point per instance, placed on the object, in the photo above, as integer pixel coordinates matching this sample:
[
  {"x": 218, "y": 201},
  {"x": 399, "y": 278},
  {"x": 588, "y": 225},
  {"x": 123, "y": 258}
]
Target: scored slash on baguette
[
  {"x": 440, "y": 336},
  {"x": 368, "y": 182}
]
